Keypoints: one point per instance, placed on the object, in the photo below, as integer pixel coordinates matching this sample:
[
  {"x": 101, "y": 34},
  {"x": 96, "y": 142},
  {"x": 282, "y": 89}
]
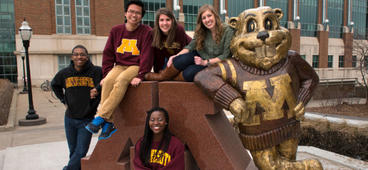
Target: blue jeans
[
  {"x": 185, "y": 63},
  {"x": 78, "y": 141}
]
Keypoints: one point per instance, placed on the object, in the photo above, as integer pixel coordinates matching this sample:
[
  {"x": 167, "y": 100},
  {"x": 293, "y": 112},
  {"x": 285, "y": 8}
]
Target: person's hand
[
  {"x": 135, "y": 82},
  {"x": 199, "y": 61},
  {"x": 101, "y": 82},
  {"x": 299, "y": 111},
  {"x": 238, "y": 109},
  {"x": 169, "y": 62},
  {"x": 93, "y": 93}
]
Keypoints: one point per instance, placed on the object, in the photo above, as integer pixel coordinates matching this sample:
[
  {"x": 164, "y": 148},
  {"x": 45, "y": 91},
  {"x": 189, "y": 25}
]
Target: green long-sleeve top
[{"x": 210, "y": 48}]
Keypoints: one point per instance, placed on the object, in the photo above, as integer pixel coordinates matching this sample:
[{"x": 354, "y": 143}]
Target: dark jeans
[
  {"x": 78, "y": 141},
  {"x": 185, "y": 63}
]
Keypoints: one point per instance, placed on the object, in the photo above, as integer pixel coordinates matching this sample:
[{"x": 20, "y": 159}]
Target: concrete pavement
[{"x": 44, "y": 147}]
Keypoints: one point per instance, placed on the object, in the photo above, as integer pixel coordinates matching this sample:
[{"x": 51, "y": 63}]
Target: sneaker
[
  {"x": 95, "y": 125},
  {"x": 92, "y": 128},
  {"x": 107, "y": 130}
]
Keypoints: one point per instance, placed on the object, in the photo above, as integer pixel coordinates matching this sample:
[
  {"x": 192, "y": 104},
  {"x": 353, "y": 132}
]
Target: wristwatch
[{"x": 208, "y": 62}]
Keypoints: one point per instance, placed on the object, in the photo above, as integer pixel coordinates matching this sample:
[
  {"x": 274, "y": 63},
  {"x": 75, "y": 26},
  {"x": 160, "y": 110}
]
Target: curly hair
[
  {"x": 158, "y": 35},
  {"x": 200, "y": 31}
]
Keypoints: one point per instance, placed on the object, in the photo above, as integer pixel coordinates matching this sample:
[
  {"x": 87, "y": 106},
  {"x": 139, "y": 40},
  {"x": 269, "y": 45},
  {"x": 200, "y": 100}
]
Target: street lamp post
[
  {"x": 24, "y": 91},
  {"x": 32, "y": 118}
]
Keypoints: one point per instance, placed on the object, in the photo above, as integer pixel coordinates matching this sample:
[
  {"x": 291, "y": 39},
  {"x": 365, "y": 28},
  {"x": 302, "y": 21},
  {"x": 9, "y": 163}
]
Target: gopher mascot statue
[{"x": 265, "y": 86}]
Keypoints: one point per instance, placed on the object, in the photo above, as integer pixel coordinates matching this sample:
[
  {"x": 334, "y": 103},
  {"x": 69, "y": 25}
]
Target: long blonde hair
[
  {"x": 158, "y": 35},
  {"x": 200, "y": 31}
]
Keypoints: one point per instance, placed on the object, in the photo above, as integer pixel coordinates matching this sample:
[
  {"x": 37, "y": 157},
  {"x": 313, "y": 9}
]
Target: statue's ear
[
  {"x": 278, "y": 12},
  {"x": 233, "y": 21}
]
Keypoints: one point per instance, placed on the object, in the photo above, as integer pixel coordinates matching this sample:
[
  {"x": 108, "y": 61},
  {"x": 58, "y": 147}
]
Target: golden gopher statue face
[{"x": 259, "y": 40}]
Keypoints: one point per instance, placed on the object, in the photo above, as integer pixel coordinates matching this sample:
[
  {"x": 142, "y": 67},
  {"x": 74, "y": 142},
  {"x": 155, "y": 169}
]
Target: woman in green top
[{"x": 210, "y": 45}]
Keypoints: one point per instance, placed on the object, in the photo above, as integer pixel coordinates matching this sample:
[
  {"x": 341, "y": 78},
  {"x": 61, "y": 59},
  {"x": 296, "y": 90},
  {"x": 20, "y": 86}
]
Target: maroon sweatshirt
[
  {"x": 172, "y": 159},
  {"x": 180, "y": 41},
  {"x": 127, "y": 48}
]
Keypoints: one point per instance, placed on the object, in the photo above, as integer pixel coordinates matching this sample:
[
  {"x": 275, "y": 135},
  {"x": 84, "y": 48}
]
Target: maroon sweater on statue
[
  {"x": 172, "y": 159},
  {"x": 180, "y": 41},
  {"x": 128, "y": 48}
]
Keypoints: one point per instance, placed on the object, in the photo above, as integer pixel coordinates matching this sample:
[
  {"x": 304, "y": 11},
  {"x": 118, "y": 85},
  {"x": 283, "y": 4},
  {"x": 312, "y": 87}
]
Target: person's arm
[
  {"x": 108, "y": 55},
  {"x": 57, "y": 85},
  {"x": 228, "y": 36},
  {"x": 177, "y": 161},
  {"x": 137, "y": 162},
  {"x": 145, "y": 57},
  {"x": 96, "y": 80}
]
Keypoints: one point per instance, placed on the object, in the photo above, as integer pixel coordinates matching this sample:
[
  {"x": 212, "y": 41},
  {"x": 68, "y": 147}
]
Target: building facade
[{"x": 323, "y": 31}]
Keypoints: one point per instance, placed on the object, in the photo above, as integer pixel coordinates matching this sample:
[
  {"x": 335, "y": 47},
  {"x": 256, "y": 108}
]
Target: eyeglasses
[
  {"x": 134, "y": 12},
  {"x": 80, "y": 54}
]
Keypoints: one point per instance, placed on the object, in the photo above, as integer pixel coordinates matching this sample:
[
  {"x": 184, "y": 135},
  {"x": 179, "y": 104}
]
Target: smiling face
[
  {"x": 157, "y": 122},
  {"x": 259, "y": 40},
  {"x": 208, "y": 20},
  {"x": 79, "y": 58},
  {"x": 165, "y": 23},
  {"x": 133, "y": 14}
]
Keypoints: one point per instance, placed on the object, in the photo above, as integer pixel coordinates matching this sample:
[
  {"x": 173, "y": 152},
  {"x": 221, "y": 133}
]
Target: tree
[{"x": 360, "y": 49}]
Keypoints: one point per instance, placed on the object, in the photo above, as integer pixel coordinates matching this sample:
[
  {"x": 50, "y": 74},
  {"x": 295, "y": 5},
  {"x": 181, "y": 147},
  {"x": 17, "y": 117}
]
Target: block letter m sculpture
[{"x": 210, "y": 139}]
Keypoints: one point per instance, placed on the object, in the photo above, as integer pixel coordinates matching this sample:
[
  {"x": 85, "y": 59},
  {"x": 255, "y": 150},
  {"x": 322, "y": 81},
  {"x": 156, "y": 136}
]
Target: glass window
[
  {"x": 62, "y": 12},
  {"x": 354, "y": 61},
  {"x": 237, "y": 7},
  {"x": 315, "y": 61},
  {"x": 341, "y": 61},
  {"x": 283, "y": 5},
  {"x": 303, "y": 56},
  {"x": 8, "y": 67},
  {"x": 8, "y": 61},
  {"x": 63, "y": 61},
  {"x": 82, "y": 17},
  {"x": 330, "y": 61},
  {"x": 335, "y": 14},
  {"x": 190, "y": 8},
  {"x": 308, "y": 11},
  {"x": 359, "y": 17},
  {"x": 151, "y": 7}
]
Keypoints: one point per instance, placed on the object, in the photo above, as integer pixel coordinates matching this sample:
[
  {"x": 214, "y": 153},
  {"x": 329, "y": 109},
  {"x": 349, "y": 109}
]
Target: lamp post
[
  {"x": 25, "y": 32},
  {"x": 24, "y": 91}
]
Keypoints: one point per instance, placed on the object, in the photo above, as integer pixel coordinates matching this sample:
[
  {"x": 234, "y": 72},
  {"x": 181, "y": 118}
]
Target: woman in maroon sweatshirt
[
  {"x": 158, "y": 149},
  {"x": 169, "y": 38}
]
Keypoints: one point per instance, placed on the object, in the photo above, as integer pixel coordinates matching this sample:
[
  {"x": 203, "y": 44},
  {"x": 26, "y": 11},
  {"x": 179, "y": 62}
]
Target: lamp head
[{"x": 25, "y": 31}]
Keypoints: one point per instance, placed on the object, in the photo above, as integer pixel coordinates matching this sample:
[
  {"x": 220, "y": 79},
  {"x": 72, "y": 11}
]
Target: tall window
[
  {"x": 8, "y": 61},
  {"x": 360, "y": 18},
  {"x": 237, "y": 7},
  {"x": 330, "y": 61},
  {"x": 62, "y": 13},
  {"x": 151, "y": 7},
  {"x": 63, "y": 61},
  {"x": 315, "y": 61},
  {"x": 82, "y": 16},
  {"x": 354, "y": 61},
  {"x": 190, "y": 8},
  {"x": 308, "y": 17},
  {"x": 341, "y": 61},
  {"x": 335, "y": 14},
  {"x": 283, "y": 4}
]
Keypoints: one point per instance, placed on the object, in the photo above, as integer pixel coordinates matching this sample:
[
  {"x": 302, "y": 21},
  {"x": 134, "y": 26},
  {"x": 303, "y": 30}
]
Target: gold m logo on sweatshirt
[
  {"x": 128, "y": 45},
  {"x": 79, "y": 81},
  {"x": 271, "y": 106}
]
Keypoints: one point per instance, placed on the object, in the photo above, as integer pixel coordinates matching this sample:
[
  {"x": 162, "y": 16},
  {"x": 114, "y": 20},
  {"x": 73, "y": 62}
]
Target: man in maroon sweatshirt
[{"x": 126, "y": 58}]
